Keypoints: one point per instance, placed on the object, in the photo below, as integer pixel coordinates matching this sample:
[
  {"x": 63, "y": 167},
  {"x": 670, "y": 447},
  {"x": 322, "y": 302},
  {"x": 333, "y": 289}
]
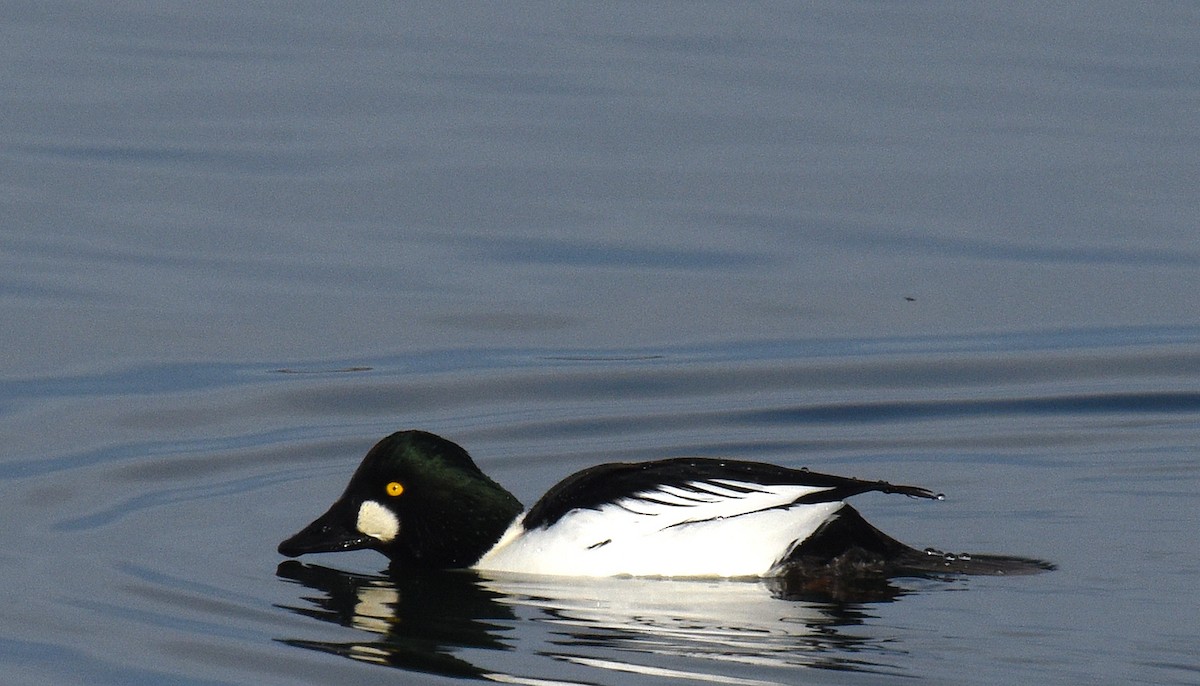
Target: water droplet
[{"x": 965, "y": 557}]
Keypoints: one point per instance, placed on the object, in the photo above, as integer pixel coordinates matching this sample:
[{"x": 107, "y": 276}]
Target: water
[{"x": 950, "y": 245}]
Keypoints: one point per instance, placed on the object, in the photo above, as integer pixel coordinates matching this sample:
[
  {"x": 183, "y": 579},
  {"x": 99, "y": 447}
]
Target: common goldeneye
[{"x": 420, "y": 499}]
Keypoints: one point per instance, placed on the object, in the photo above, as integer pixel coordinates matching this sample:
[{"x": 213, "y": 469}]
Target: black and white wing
[
  {"x": 679, "y": 517},
  {"x": 684, "y": 482}
]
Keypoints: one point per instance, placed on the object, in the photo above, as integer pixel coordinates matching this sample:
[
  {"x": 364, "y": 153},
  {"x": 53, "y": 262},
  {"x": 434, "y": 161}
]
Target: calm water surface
[{"x": 952, "y": 245}]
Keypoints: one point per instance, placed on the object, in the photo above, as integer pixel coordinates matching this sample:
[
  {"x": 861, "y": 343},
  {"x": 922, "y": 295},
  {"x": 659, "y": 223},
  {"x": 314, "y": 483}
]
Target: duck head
[{"x": 417, "y": 498}]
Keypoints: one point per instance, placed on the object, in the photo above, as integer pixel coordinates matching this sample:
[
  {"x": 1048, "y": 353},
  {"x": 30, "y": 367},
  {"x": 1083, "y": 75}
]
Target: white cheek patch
[{"x": 377, "y": 521}]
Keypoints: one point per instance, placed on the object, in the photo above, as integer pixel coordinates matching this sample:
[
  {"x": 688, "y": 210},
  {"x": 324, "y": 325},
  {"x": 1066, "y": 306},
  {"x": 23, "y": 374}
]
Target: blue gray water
[{"x": 946, "y": 244}]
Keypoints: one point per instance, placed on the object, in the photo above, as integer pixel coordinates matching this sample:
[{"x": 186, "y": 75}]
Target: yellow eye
[{"x": 395, "y": 488}]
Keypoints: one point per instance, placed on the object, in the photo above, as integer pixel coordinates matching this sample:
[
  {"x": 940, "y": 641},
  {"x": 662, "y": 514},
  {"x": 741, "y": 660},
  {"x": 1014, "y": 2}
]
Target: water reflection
[
  {"x": 414, "y": 621},
  {"x": 710, "y": 630}
]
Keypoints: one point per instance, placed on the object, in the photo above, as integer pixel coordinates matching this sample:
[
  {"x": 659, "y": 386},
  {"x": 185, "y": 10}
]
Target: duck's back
[{"x": 680, "y": 517}]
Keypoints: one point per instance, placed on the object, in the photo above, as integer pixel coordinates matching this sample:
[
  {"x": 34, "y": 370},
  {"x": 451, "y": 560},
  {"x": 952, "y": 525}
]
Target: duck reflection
[
  {"x": 411, "y": 621},
  {"x": 715, "y": 627},
  {"x": 438, "y": 622}
]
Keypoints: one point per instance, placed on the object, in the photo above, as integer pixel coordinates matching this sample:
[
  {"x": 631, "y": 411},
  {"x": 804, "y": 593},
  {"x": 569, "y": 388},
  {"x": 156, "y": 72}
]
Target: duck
[{"x": 421, "y": 500}]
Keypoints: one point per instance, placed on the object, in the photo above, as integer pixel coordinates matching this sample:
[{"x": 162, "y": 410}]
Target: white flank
[
  {"x": 377, "y": 521},
  {"x": 719, "y": 530}
]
